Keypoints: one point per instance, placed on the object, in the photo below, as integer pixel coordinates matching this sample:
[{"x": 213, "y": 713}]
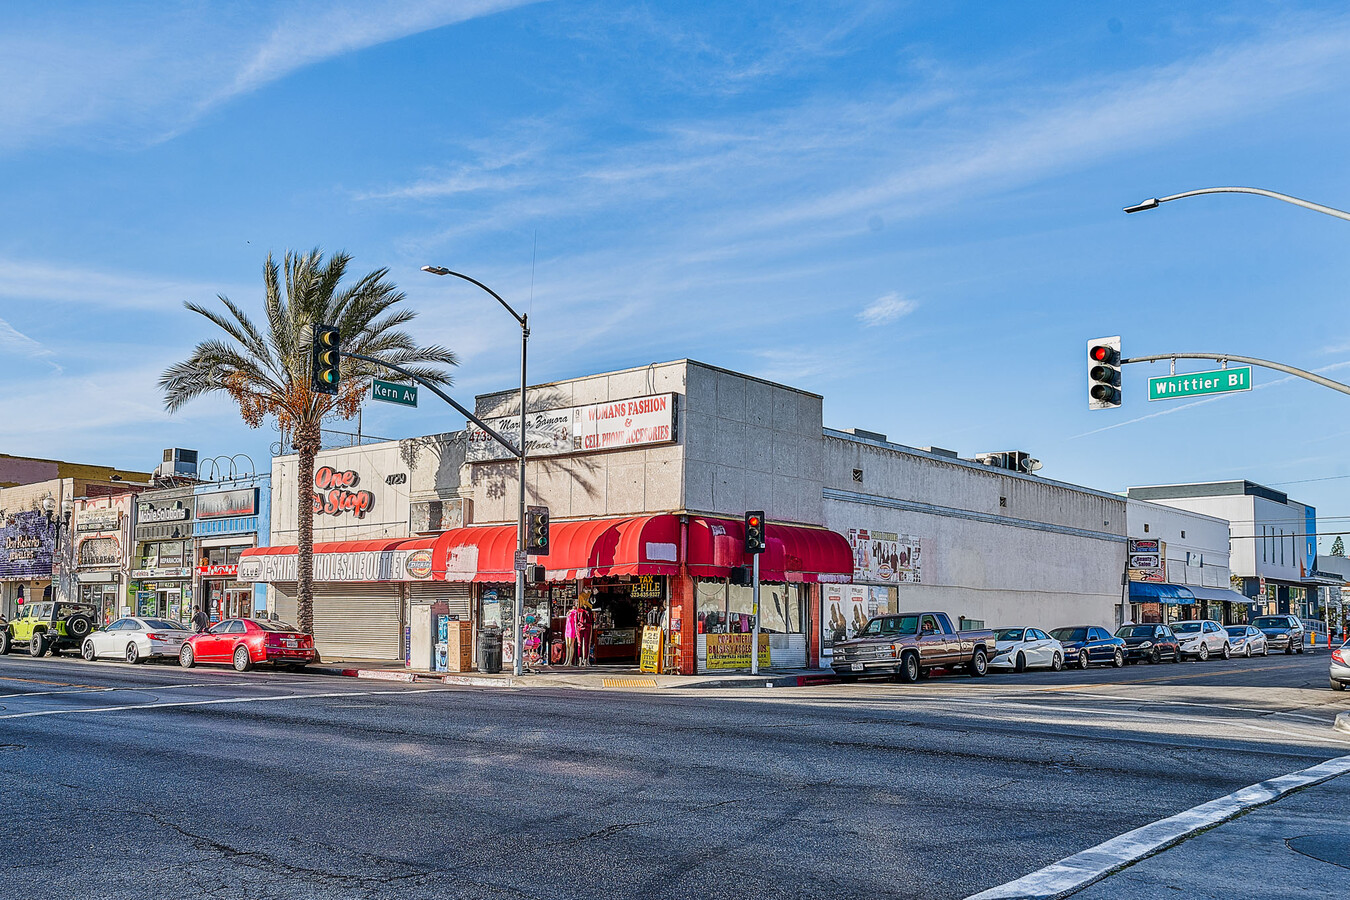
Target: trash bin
[{"x": 490, "y": 650}]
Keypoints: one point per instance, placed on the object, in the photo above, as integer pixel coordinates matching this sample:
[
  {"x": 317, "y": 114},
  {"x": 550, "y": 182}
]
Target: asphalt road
[{"x": 153, "y": 781}]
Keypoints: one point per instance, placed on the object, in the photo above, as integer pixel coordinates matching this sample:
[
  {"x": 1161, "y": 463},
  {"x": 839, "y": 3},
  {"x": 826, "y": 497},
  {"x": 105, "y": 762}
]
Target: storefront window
[
  {"x": 711, "y": 597},
  {"x": 727, "y": 608}
]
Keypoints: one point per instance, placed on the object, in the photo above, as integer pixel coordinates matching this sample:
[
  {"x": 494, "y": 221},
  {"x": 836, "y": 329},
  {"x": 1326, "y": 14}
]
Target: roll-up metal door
[
  {"x": 358, "y": 621},
  {"x": 456, "y": 594},
  {"x": 283, "y": 600}
]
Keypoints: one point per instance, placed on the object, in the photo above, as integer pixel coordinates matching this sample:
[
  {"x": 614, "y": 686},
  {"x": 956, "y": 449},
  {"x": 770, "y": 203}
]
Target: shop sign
[
  {"x": 732, "y": 651},
  {"x": 98, "y": 519},
  {"x": 886, "y": 558},
  {"x": 220, "y": 571},
  {"x": 1151, "y": 576},
  {"x": 226, "y": 504},
  {"x": 159, "y": 572},
  {"x": 150, "y": 514},
  {"x": 646, "y": 587},
  {"x": 334, "y": 494},
  {"x": 29, "y": 541},
  {"x": 650, "y": 657},
  {"x": 368, "y": 565},
  {"x": 1147, "y": 561},
  {"x": 99, "y": 551},
  {"x": 418, "y": 564},
  {"x": 640, "y": 421}
]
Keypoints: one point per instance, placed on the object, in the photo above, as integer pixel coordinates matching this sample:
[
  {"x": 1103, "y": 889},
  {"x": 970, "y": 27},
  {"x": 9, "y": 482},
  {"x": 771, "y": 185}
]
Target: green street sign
[
  {"x": 1194, "y": 384},
  {"x": 402, "y": 394}
]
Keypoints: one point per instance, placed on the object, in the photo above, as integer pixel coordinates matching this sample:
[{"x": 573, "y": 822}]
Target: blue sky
[{"x": 912, "y": 209}]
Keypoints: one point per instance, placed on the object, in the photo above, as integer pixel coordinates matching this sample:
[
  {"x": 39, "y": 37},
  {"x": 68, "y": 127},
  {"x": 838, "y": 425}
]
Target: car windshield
[
  {"x": 902, "y": 625},
  {"x": 1069, "y": 634},
  {"x": 1237, "y": 630},
  {"x": 1270, "y": 622},
  {"x": 1186, "y": 627},
  {"x": 282, "y": 626},
  {"x": 164, "y": 625},
  {"x": 1009, "y": 634},
  {"x": 1126, "y": 631}
]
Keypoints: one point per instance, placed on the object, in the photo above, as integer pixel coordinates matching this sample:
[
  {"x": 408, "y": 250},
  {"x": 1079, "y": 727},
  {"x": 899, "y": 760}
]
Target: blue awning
[
  {"x": 1147, "y": 591},
  {"x": 1209, "y": 593}
]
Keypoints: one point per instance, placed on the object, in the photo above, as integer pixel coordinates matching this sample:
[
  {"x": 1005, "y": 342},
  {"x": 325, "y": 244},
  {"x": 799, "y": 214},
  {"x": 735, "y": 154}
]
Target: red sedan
[{"x": 245, "y": 642}]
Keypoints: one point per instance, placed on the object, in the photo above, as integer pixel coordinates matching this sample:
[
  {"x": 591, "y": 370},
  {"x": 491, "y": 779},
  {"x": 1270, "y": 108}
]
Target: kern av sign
[{"x": 1197, "y": 384}]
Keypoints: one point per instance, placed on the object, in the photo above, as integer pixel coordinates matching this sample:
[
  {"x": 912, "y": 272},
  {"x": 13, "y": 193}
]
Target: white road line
[
  {"x": 1076, "y": 872},
  {"x": 133, "y": 708}
]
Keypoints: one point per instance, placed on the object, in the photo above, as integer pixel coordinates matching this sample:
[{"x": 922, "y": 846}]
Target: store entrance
[{"x": 230, "y": 600}]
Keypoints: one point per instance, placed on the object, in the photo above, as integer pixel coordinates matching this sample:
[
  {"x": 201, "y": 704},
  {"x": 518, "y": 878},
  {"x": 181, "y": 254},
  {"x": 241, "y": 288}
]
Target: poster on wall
[
  {"x": 29, "y": 543},
  {"x": 843, "y": 612},
  {"x": 885, "y": 557}
]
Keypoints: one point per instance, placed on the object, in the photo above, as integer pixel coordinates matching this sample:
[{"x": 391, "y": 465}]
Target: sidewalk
[{"x": 592, "y": 678}]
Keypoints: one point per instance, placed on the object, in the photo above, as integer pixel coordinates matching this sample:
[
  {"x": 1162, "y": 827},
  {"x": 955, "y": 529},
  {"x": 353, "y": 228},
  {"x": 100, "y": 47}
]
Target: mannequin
[{"x": 578, "y": 631}]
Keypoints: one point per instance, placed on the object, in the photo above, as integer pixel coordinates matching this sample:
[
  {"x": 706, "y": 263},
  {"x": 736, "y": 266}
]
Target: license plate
[
  {"x": 290, "y": 644},
  {"x": 857, "y": 667}
]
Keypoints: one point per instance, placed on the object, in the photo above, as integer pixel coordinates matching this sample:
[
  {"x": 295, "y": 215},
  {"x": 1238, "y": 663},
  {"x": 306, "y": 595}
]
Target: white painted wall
[
  {"x": 1204, "y": 537},
  {"x": 373, "y": 463}
]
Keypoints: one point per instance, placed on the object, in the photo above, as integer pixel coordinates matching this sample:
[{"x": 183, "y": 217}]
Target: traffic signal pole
[
  {"x": 1245, "y": 360},
  {"x": 754, "y": 610}
]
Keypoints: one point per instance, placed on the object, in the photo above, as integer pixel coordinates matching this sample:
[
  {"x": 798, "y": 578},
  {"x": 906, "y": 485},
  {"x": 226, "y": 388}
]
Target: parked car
[
  {"x": 1153, "y": 643},
  {"x": 135, "y": 639},
  {"x": 1087, "y": 644},
  {"x": 49, "y": 626},
  {"x": 1202, "y": 638},
  {"x": 1025, "y": 648},
  {"x": 1248, "y": 640},
  {"x": 909, "y": 645},
  {"x": 1282, "y": 632},
  {"x": 1340, "y": 667},
  {"x": 246, "y": 642}
]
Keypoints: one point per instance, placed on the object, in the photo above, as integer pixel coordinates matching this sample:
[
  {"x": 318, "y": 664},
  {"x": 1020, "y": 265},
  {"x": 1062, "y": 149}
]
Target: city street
[{"x": 156, "y": 781}]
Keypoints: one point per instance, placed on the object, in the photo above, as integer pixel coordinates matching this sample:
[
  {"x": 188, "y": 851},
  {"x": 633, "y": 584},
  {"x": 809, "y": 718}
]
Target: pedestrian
[{"x": 200, "y": 620}]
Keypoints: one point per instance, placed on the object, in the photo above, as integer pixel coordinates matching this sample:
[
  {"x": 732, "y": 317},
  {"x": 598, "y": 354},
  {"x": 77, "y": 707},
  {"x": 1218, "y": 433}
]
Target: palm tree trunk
[{"x": 306, "y": 447}]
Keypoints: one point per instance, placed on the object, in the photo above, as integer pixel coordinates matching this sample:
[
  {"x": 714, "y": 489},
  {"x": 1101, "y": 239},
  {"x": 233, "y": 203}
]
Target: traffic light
[
  {"x": 755, "y": 541},
  {"x": 1104, "y": 361},
  {"x": 536, "y": 530},
  {"x": 325, "y": 356}
]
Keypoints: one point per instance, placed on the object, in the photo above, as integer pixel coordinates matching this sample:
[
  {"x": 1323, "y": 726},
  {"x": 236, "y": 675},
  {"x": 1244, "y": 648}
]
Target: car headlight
[{"x": 1145, "y": 645}]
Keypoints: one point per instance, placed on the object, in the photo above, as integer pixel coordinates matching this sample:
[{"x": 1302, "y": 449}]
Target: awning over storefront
[
  {"x": 795, "y": 552},
  {"x": 372, "y": 560},
  {"x": 479, "y": 553},
  {"x": 1149, "y": 592},
  {"x": 1224, "y": 594}
]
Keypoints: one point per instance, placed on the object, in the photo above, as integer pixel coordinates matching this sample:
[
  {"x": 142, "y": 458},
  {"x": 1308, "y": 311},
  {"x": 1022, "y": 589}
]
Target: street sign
[
  {"x": 402, "y": 394},
  {"x": 1195, "y": 384},
  {"x": 522, "y": 560}
]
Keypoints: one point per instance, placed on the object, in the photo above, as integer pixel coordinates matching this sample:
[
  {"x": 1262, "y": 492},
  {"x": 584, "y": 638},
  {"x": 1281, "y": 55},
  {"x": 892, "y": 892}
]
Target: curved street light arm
[
  {"x": 1248, "y": 360},
  {"x": 1306, "y": 204},
  {"x": 442, "y": 270}
]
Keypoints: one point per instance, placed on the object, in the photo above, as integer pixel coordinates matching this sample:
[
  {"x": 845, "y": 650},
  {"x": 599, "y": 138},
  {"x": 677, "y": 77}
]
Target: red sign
[
  {"x": 333, "y": 496},
  {"x": 229, "y": 571}
]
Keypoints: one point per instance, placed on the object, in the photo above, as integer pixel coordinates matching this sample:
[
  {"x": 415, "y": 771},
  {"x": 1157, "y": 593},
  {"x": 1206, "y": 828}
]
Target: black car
[
  {"x": 1282, "y": 632},
  {"x": 1086, "y": 644},
  {"x": 1153, "y": 643}
]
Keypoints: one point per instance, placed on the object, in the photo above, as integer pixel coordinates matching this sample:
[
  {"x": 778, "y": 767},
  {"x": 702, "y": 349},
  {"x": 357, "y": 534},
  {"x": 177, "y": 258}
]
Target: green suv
[{"x": 49, "y": 626}]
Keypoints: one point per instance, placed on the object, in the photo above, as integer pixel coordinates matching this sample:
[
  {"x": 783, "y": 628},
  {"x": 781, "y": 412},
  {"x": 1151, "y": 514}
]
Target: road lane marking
[
  {"x": 1159, "y": 680},
  {"x": 140, "y": 706},
  {"x": 1073, "y": 873}
]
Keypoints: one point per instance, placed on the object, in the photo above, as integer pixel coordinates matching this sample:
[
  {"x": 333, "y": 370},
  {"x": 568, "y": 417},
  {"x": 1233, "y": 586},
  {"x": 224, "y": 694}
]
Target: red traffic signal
[
  {"x": 1104, "y": 353},
  {"x": 755, "y": 541},
  {"x": 1104, "y": 363}
]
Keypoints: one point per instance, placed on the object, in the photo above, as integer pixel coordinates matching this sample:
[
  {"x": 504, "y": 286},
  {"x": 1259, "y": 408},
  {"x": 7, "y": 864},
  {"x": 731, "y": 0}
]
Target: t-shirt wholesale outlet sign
[{"x": 1224, "y": 381}]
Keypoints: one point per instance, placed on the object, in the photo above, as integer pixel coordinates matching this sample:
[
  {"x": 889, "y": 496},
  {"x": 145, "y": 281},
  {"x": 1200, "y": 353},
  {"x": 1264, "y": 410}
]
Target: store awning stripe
[{"x": 1146, "y": 591}]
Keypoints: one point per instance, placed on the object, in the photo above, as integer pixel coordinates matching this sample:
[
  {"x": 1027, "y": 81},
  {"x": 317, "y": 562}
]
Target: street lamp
[
  {"x": 518, "y": 663},
  {"x": 1155, "y": 202}
]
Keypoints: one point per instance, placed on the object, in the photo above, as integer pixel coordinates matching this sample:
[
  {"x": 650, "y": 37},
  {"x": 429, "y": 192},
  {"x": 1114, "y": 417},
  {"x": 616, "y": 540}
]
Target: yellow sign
[
  {"x": 732, "y": 651},
  {"x": 650, "y": 661},
  {"x": 647, "y": 587}
]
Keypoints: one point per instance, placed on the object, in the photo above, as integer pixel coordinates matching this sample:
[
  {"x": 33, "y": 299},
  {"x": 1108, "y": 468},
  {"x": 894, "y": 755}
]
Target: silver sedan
[
  {"x": 1247, "y": 640},
  {"x": 135, "y": 639}
]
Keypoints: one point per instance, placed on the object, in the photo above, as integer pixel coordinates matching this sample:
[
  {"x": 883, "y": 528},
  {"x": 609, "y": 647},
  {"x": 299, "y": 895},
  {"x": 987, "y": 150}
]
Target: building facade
[{"x": 1179, "y": 566}]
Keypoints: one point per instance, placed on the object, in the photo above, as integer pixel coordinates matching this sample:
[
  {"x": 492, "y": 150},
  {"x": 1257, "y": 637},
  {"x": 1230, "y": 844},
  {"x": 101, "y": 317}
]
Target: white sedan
[
  {"x": 135, "y": 639},
  {"x": 1202, "y": 638},
  {"x": 1026, "y": 648}
]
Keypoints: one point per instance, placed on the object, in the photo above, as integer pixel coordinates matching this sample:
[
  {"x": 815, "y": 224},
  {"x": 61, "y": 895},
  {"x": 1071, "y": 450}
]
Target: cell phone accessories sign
[{"x": 615, "y": 425}]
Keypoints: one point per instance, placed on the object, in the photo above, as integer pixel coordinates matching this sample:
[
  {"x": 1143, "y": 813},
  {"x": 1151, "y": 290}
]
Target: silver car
[
  {"x": 1247, "y": 640},
  {"x": 1340, "y": 667},
  {"x": 135, "y": 639},
  {"x": 1202, "y": 638}
]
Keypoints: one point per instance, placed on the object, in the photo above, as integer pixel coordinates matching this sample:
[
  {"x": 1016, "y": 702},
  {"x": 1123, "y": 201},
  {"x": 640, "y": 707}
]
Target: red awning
[
  {"x": 640, "y": 545},
  {"x": 479, "y": 553},
  {"x": 794, "y": 553}
]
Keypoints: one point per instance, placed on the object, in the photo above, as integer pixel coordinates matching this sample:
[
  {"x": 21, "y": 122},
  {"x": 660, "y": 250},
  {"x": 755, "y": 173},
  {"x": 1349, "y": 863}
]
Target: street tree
[
  {"x": 267, "y": 371},
  {"x": 1338, "y": 547}
]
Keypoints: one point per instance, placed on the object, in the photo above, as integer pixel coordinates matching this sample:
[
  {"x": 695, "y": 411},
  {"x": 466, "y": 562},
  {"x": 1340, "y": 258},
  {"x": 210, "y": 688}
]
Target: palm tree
[{"x": 268, "y": 374}]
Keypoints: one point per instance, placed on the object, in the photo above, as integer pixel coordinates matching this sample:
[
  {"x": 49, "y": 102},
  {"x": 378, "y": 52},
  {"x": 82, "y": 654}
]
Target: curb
[
  {"x": 1342, "y": 722},
  {"x": 744, "y": 681}
]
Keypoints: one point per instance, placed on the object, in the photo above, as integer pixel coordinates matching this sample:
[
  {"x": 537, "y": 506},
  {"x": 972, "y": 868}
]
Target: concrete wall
[
  {"x": 1204, "y": 537},
  {"x": 1005, "y": 548},
  {"x": 374, "y": 465}
]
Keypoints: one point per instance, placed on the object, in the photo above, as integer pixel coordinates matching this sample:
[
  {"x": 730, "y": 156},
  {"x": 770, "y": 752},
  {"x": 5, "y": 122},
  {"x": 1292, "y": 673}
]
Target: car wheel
[
  {"x": 1119, "y": 659},
  {"x": 1083, "y": 658},
  {"x": 979, "y": 664},
  {"x": 1289, "y": 649},
  {"x": 79, "y": 626},
  {"x": 1056, "y": 662},
  {"x": 87, "y": 650},
  {"x": 909, "y": 668},
  {"x": 1249, "y": 651},
  {"x": 5, "y": 641},
  {"x": 1021, "y": 664},
  {"x": 1227, "y": 651},
  {"x": 37, "y": 647},
  {"x": 1155, "y": 657},
  {"x": 1203, "y": 654},
  {"x": 133, "y": 653},
  {"x": 1300, "y": 649},
  {"x": 1337, "y": 685},
  {"x": 186, "y": 659},
  {"x": 242, "y": 661},
  {"x": 1265, "y": 651}
]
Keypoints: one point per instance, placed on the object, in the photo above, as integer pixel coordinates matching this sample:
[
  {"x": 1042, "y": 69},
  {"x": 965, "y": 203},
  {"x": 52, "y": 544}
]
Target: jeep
[{"x": 49, "y": 626}]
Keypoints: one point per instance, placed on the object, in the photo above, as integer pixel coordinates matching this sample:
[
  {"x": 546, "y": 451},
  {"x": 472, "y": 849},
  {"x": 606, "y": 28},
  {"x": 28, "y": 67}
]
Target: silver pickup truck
[{"x": 909, "y": 644}]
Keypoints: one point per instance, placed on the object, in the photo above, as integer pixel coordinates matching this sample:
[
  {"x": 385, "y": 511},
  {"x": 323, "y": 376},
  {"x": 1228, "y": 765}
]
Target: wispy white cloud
[
  {"x": 36, "y": 282},
  {"x": 13, "y": 341},
  {"x": 886, "y": 309},
  {"x": 137, "y": 74}
]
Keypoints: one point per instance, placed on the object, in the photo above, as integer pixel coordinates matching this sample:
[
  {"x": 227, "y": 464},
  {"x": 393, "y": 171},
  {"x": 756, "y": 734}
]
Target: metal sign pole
[{"x": 754, "y": 613}]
